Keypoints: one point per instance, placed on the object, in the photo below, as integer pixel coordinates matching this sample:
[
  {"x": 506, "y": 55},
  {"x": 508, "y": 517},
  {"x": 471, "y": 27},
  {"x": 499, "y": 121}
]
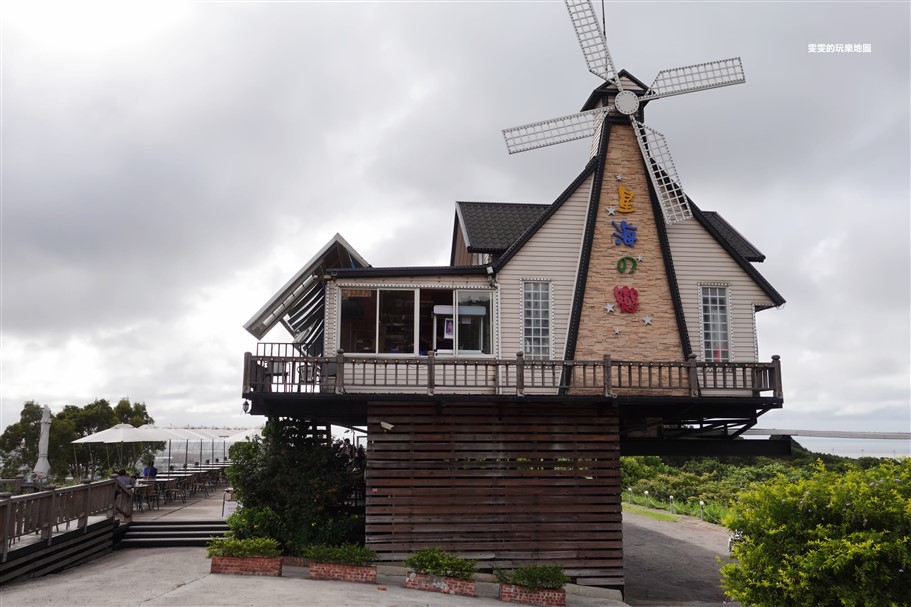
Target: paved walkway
[{"x": 180, "y": 577}]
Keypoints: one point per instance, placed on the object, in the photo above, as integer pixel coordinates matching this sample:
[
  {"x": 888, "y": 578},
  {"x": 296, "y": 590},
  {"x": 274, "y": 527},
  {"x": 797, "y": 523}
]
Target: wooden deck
[{"x": 280, "y": 368}]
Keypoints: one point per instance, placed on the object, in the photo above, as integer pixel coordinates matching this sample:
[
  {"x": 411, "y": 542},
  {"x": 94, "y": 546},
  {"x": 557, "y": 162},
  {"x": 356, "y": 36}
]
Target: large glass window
[
  {"x": 715, "y": 333},
  {"x": 383, "y": 321},
  {"x": 358, "y": 322},
  {"x": 473, "y": 322},
  {"x": 396, "y": 322},
  {"x": 536, "y": 319}
]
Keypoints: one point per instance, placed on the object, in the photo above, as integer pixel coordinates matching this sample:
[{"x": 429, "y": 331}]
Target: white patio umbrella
[
  {"x": 187, "y": 434},
  {"x": 163, "y": 434},
  {"x": 126, "y": 433},
  {"x": 42, "y": 467},
  {"x": 121, "y": 433}
]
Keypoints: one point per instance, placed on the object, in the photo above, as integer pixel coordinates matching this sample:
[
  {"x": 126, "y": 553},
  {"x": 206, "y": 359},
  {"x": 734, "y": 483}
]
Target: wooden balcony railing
[
  {"x": 43, "y": 512},
  {"x": 281, "y": 368}
]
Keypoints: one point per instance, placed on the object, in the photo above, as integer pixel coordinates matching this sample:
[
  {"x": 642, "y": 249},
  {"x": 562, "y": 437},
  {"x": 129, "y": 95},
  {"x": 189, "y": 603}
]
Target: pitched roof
[
  {"x": 729, "y": 246},
  {"x": 492, "y": 227},
  {"x": 299, "y": 304},
  {"x": 740, "y": 244}
]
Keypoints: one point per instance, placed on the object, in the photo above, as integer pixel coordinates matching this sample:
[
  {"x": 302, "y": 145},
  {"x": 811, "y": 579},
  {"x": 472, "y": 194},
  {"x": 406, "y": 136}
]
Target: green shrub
[
  {"x": 436, "y": 561},
  {"x": 249, "y": 522},
  {"x": 347, "y": 554},
  {"x": 306, "y": 484},
  {"x": 243, "y": 548},
  {"x": 835, "y": 538},
  {"x": 539, "y": 577}
]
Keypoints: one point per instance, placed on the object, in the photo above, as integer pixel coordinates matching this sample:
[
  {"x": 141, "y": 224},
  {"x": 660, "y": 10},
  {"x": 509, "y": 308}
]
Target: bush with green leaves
[
  {"x": 251, "y": 521},
  {"x": 305, "y": 483},
  {"x": 346, "y": 554},
  {"x": 243, "y": 548},
  {"x": 537, "y": 577},
  {"x": 436, "y": 561},
  {"x": 834, "y": 538}
]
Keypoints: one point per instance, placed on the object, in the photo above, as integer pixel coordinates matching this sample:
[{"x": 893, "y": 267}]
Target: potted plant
[
  {"x": 251, "y": 556},
  {"x": 347, "y": 563},
  {"x": 536, "y": 585},
  {"x": 435, "y": 570}
]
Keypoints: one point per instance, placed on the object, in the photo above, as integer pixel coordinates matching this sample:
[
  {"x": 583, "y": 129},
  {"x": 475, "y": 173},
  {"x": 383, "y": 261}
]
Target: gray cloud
[{"x": 159, "y": 183}]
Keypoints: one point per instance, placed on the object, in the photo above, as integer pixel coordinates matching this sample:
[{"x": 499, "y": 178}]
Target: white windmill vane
[{"x": 677, "y": 81}]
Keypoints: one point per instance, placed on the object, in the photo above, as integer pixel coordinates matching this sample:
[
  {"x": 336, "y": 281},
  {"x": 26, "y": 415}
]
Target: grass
[{"x": 658, "y": 515}]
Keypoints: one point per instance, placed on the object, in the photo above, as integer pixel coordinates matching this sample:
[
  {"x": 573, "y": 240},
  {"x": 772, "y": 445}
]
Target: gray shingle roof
[
  {"x": 492, "y": 227},
  {"x": 740, "y": 244}
]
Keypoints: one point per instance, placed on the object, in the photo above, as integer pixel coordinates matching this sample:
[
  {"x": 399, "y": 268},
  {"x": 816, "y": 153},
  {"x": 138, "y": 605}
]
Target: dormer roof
[{"x": 492, "y": 227}]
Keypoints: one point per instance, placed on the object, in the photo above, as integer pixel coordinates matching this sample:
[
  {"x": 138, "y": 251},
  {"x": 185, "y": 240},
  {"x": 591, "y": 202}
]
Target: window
[
  {"x": 715, "y": 333},
  {"x": 536, "y": 319},
  {"x": 386, "y": 321}
]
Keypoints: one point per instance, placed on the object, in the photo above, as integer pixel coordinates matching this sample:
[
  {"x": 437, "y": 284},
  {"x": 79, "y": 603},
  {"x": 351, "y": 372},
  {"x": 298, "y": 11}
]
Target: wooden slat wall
[{"x": 510, "y": 485}]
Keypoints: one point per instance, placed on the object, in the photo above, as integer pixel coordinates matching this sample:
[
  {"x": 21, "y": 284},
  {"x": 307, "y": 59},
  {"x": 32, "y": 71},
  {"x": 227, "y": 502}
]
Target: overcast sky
[{"x": 167, "y": 167}]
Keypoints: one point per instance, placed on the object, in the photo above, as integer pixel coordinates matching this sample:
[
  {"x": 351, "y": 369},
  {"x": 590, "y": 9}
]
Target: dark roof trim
[
  {"x": 747, "y": 267},
  {"x": 588, "y": 238},
  {"x": 517, "y": 245},
  {"x": 669, "y": 268},
  {"x": 406, "y": 272},
  {"x": 743, "y": 246},
  {"x": 599, "y": 92}
]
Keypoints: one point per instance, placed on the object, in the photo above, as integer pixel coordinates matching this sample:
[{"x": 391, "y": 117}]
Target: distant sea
[{"x": 856, "y": 447}]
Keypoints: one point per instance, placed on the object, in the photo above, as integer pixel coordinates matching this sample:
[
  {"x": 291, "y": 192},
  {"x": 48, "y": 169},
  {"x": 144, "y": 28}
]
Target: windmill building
[{"x": 499, "y": 392}]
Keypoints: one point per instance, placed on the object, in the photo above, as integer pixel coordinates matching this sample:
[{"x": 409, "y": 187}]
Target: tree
[
  {"x": 296, "y": 489},
  {"x": 19, "y": 442},
  {"x": 833, "y": 539}
]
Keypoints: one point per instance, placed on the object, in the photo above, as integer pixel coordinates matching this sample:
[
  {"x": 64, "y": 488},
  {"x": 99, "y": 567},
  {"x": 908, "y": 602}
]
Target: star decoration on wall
[
  {"x": 647, "y": 319},
  {"x": 616, "y": 330},
  {"x": 619, "y": 177},
  {"x": 609, "y": 307},
  {"x": 611, "y": 210},
  {"x": 640, "y": 258}
]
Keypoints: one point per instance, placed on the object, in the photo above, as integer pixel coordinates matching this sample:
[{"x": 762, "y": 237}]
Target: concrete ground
[
  {"x": 668, "y": 564},
  {"x": 180, "y": 577}
]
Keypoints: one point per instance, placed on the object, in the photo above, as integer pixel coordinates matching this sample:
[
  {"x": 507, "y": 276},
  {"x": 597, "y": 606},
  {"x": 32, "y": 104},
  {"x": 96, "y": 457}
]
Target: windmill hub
[{"x": 626, "y": 102}]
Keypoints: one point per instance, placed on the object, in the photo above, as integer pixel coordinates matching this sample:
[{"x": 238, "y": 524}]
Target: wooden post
[
  {"x": 247, "y": 357},
  {"x": 7, "y": 505},
  {"x": 431, "y": 372},
  {"x": 45, "y": 513},
  {"x": 520, "y": 374},
  {"x": 86, "y": 504},
  {"x": 693, "y": 374},
  {"x": 340, "y": 372},
  {"x": 776, "y": 379},
  {"x": 608, "y": 376}
]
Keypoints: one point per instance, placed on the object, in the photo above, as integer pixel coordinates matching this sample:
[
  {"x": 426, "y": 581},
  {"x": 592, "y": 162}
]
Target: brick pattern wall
[
  {"x": 517, "y": 594},
  {"x": 659, "y": 341},
  {"x": 343, "y": 573},
  {"x": 295, "y": 561},
  {"x": 446, "y": 585},
  {"x": 246, "y": 566}
]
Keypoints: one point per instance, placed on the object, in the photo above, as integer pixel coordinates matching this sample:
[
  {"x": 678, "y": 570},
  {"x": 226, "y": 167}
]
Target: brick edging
[
  {"x": 257, "y": 565},
  {"x": 510, "y": 593},
  {"x": 434, "y": 583},
  {"x": 342, "y": 573}
]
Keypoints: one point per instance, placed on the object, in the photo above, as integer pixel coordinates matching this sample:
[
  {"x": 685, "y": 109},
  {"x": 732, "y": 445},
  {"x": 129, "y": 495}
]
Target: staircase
[{"x": 169, "y": 534}]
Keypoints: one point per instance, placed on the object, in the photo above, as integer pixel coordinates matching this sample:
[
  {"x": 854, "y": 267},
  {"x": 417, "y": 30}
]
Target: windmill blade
[
  {"x": 696, "y": 77},
  {"x": 591, "y": 38},
  {"x": 663, "y": 174},
  {"x": 553, "y": 131}
]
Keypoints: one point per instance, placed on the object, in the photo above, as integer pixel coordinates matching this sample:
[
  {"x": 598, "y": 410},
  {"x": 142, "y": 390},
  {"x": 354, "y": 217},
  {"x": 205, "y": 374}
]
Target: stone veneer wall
[{"x": 659, "y": 341}]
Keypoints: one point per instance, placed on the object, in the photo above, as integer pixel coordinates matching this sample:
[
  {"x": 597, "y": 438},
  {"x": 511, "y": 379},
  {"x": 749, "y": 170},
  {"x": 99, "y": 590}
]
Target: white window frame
[
  {"x": 705, "y": 332},
  {"x": 416, "y": 288},
  {"x": 545, "y": 352}
]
